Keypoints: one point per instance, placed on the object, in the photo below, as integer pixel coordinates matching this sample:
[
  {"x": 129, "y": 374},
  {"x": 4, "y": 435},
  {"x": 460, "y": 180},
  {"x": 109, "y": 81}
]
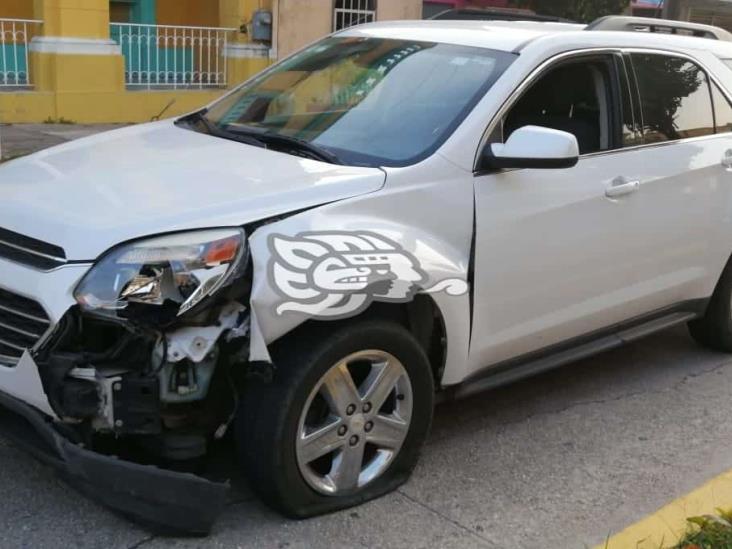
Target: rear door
[
  {"x": 683, "y": 187},
  {"x": 635, "y": 228}
]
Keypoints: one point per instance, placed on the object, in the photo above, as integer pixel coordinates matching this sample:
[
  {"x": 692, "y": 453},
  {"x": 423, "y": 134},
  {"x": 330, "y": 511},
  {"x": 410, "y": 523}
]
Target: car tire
[
  {"x": 714, "y": 329},
  {"x": 275, "y": 417}
]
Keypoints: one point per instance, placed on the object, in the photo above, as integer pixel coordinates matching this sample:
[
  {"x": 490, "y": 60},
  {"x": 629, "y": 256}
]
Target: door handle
[{"x": 622, "y": 186}]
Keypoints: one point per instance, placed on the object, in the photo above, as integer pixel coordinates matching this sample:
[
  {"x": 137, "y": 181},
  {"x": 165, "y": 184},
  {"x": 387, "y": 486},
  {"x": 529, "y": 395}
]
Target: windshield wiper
[
  {"x": 213, "y": 129},
  {"x": 287, "y": 141}
]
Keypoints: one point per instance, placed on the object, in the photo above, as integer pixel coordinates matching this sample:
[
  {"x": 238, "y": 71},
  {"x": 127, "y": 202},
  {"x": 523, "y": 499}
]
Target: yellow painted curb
[{"x": 666, "y": 527}]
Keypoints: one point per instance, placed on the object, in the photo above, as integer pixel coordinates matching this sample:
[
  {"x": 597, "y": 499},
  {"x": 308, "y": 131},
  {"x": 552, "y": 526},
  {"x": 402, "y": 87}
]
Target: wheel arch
[
  {"x": 425, "y": 230},
  {"x": 422, "y": 317}
]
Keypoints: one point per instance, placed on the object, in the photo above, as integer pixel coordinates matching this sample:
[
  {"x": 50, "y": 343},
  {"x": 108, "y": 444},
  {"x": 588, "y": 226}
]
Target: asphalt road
[{"x": 556, "y": 461}]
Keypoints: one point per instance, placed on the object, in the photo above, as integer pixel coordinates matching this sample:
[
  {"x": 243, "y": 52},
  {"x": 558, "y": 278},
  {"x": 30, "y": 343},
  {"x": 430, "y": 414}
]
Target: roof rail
[
  {"x": 496, "y": 14},
  {"x": 664, "y": 26}
]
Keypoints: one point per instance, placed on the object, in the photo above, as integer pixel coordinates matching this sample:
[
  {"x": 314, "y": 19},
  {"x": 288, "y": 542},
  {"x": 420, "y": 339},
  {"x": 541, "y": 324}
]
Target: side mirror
[{"x": 532, "y": 147}]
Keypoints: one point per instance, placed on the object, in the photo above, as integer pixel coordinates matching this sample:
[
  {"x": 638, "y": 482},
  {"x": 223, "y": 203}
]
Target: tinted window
[
  {"x": 572, "y": 98},
  {"x": 722, "y": 111},
  {"x": 675, "y": 98}
]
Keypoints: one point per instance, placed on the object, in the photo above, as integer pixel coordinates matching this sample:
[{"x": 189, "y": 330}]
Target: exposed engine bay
[{"x": 167, "y": 392}]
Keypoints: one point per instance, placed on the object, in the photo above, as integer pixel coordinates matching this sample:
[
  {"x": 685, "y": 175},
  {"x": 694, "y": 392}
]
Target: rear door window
[
  {"x": 675, "y": 98},
  {"x": 722, "y": 111}
]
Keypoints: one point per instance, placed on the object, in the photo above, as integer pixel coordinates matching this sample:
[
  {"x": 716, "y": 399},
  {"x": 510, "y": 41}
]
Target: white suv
[{"x": 400, "y": 213}]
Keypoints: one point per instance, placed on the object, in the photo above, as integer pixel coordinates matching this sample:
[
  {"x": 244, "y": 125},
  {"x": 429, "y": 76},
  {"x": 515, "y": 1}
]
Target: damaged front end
[
  {"x": 166, "y": 393},
  {"x": 144, "y": 375}
]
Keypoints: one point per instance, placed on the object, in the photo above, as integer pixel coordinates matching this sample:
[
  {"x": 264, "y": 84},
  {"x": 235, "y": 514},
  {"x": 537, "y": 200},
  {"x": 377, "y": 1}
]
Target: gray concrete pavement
[
  {"x": 556, "y": 461},
  {"x": 21, "y": 139}
]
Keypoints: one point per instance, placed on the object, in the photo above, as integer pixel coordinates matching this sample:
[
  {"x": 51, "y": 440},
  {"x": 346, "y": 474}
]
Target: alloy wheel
[{"x": 354, "y": 422}]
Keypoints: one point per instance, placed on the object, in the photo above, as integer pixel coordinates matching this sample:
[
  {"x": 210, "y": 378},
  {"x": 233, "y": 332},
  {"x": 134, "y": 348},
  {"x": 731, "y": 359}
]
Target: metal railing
[
  {"x": 348, "y": 13},
  {"x": 165, "y": 56},
  {"x": 15, "y": 37}
]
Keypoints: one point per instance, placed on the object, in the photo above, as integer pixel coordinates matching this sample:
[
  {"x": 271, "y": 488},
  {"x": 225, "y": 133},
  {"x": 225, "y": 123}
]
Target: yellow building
[{"x": 90, "y": 61}]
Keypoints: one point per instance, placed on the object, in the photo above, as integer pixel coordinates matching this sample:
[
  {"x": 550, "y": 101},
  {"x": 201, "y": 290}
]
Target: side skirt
[{"x": 575, "y": 349}]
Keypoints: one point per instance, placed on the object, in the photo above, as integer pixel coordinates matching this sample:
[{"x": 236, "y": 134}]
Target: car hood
[{"x": 89, "y": 195}]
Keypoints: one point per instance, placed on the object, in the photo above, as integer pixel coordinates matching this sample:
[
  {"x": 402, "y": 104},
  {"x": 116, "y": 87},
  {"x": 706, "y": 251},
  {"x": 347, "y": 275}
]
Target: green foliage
[
  {"x": 709, "y": 532},
  {"x": 577, "y": 10},
  {"x": 664, "y": 96}
]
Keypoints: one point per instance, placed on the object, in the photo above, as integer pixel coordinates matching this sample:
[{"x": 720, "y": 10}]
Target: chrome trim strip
[
  {"x": 68, "y": 263},
  {"x": 656, "y": 145},
  {"x": 531, "y": 78},
  {"x": 48, "y": 322},
  {"x": 50, "y": 325},
  {"x": 19, "y": 331},
  {"x": 33, "y": 252},
  {"x": 24, "y": 315},
  {"x": 11, "y": 345},
  {"x": 44, "y": 338}
]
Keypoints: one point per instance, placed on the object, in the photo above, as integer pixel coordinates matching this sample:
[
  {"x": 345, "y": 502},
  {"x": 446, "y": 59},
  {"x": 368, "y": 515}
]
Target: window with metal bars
[
  {"x": 348, "y": 13},
  {"x": 721, "y": 17}
]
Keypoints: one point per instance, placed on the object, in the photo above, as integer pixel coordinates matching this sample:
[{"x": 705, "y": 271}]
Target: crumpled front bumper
[{"x": 165, "y": 501}]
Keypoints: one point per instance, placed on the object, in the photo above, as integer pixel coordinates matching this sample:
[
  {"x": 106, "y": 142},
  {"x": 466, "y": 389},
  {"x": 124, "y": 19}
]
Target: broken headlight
[{"x": 162, "y": 277}]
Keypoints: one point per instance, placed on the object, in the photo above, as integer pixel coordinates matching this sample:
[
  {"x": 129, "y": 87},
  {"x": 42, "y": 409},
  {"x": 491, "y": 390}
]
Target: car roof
[
  {"x": 513, "y": 36},
  {"x": 497, "y": 35},
  {"x": 494, "y": 14}
]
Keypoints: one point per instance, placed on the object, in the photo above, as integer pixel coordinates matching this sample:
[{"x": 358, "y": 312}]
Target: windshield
[{"x": 364, "y": 101}]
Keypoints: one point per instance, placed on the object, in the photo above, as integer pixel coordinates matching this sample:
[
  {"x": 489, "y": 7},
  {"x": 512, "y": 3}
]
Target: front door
[{"x": 552, "y": 247}]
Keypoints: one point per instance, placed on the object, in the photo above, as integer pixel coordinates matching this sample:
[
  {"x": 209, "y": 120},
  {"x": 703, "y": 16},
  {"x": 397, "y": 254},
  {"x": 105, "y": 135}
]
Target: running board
[
  {"x": 542, "y": 361},
  {"x": 652, "y": 326}
]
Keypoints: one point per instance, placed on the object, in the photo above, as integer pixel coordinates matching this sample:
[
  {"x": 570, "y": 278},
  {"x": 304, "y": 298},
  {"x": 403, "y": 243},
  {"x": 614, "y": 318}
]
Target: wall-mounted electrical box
[{"x": 262, "y": 26}]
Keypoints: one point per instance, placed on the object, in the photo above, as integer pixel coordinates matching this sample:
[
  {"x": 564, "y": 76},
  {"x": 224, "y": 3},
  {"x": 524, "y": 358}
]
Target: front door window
[{"x": 572, "y": 97}]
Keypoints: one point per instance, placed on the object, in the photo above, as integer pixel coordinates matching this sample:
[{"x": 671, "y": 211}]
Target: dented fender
[{"x": 334, "y": 261}]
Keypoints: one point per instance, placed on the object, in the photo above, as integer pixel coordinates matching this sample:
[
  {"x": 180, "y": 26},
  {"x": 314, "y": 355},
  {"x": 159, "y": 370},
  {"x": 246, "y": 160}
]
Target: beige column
[
  {"x": 74, "y": 18},
  {"x": 399, "y": 9},
  {"x": 73, "y": 57},
  {"x": 244, "y": 57}
]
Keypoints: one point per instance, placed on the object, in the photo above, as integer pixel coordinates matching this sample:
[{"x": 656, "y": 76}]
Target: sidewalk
[
  {"x": 21, "y": 139},
  {"x": 665, "y": 527}
]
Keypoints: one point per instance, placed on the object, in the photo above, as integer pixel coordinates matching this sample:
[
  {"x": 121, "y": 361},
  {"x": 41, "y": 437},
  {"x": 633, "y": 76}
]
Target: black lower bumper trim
[{"x": 162, "y": 500}]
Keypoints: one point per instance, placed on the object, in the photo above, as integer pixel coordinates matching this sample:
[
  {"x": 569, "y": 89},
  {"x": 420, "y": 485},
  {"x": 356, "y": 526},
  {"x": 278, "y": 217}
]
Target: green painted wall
[{"x": 142, "y": 11}]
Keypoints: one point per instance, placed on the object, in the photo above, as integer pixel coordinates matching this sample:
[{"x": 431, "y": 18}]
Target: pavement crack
[
  {"x": 580, "y": 404},
  {"x": 702, "y": 373},
  {"x": 143, "y": 541},
  {"x": 452, "y": 521},
  {"x": 632, "y": 394},
  {"x": 601, "y": 401}
]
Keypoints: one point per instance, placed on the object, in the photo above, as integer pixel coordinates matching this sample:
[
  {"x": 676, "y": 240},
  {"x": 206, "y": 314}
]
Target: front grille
[
  {"x": 29, "y": 251},
  {"x": 22, "y": 324}
]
